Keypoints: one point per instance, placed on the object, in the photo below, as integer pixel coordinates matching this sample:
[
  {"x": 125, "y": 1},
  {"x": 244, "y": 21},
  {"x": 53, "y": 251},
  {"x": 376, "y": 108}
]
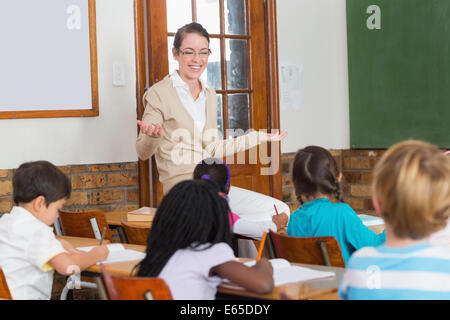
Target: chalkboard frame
[{"x": 94, "y": 110}]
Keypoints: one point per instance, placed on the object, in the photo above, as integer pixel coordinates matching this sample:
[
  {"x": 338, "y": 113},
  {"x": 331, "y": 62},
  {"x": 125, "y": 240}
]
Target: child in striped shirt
[{"x": 412, "y": 194}]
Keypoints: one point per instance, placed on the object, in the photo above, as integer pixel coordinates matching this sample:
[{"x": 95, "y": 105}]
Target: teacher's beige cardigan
[{"x": 181, "y": 145}]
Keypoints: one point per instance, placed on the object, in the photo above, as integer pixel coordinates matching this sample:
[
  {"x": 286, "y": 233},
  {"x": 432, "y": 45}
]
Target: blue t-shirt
[
  {"x": 321, "y": 217},
  {"x": 419, "y": 271}
]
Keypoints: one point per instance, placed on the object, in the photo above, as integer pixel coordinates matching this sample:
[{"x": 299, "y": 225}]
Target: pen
[
  {"x": 103, "y": 235},
  {"x": 275, "y": 208},
  {"x": 261, "y": 247}
]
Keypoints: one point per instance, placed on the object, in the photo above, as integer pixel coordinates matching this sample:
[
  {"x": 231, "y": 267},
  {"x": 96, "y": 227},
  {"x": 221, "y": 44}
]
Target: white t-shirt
[
  {"x": 253, "y": 229},
  {"x": 26, "y": 246},
  {"x": 187, "y": 273},
  {"x": 253, "y": 205},
  {"x": 441, "y": 237}
]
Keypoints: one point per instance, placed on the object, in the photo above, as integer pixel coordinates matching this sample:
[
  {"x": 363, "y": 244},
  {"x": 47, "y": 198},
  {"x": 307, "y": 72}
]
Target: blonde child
[
  {"x": 189, "y": 245},
  {"x": 316, "y": 179},
  {"x": 411, "y": 192},
  {"x": 29, "y": 251}
]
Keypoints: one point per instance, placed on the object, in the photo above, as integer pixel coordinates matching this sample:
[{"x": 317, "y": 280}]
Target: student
[
  {"x": 412, "y": 194},
  {"x": 218, "y": 171},
  {"x": 29, "y": 251},
  {"x": 442, "y": 237},
  {"x": 316, "y": 179},
  {"x": 189, "y": 245}
]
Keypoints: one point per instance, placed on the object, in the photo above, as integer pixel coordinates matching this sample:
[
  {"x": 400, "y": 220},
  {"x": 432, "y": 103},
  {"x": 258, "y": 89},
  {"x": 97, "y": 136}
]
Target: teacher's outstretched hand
[{"x": 152, "y": 130}]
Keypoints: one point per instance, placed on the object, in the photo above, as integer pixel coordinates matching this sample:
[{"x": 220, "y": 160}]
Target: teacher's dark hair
[
  {"x": 192, "y": 27},
  {"x": 191, "y": 214},
  {"x": 315, "y": 170},
  {"x": 40, "y": 178}
]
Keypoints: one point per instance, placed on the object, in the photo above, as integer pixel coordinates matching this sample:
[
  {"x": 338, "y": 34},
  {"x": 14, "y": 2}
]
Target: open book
[
  {"x": 141, "y": 214},
  {"x": 284, "y": 272},
  {"x": 118, "y": 253}
]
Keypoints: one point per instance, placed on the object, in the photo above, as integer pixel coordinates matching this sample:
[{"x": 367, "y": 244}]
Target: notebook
[
  {"x": 284, "y": 272},
  {"x": 118, "y": 253},
  {"x": 370, "y": 220}
]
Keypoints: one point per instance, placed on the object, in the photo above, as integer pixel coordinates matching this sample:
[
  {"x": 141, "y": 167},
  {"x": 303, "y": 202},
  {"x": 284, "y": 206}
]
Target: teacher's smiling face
[{"x": 192, "y": 56}]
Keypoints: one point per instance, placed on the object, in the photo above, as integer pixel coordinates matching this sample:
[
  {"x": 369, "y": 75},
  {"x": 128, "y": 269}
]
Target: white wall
[
  {"x": 108, "y": 138},
  {"x": 312, "y": 35}
]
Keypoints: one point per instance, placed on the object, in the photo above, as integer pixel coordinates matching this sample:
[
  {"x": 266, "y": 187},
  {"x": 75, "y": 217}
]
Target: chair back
[
  {"x": 79, "y": 224},
  {"x": 135, "y": 234},
  {"x": 310, "y": 250},
  {"x": 134, "y": 288},
  {"x": 4, "y": 290}
]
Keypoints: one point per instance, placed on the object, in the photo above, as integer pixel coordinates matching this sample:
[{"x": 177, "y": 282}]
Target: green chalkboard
[{"x": 399, "y": 71}]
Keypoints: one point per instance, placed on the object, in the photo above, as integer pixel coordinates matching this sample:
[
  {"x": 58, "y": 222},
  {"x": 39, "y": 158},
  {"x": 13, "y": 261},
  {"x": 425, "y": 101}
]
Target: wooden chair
[
  {"x": 135, "y": 234},
  {"x": 134, "y": 288},
  {"x": 86, "y": 224},
  {"x": 4, "y": 290},
  {"x": 310, "y": 250},
  {"x": 81, "y": 224}
]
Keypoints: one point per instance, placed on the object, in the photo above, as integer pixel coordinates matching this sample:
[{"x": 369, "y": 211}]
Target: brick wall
[
  {"x": 356, "y": 167},
  {"x": 108, "y": 187}
]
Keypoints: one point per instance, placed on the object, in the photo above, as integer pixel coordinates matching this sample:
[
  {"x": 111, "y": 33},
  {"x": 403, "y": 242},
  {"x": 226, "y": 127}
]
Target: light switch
[{"x": 118, "y": 74}]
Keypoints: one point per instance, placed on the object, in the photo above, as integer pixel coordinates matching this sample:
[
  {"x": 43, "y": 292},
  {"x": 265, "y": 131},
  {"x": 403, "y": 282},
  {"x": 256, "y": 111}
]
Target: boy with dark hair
[{"x": 29, "y": 250}]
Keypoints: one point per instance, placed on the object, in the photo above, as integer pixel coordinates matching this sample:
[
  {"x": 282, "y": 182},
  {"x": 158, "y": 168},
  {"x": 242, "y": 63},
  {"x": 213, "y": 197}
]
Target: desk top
[
  {"x": 311, "y": 289},
  {"x": 296, "y": 290},
  {"x": 113, "y": 219},
  {"x": 82, "y": 242}
]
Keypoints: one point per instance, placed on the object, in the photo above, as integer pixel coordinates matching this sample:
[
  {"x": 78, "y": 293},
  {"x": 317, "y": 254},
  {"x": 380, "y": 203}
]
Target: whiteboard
[{"x": 47, "y": 58}]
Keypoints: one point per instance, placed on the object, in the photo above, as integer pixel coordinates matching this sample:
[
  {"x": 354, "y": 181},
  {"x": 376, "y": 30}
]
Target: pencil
[
  {"x": 274, "y": 205},
  {"x": 103, "y": 235},
  {"x": 261, "y": 246}
]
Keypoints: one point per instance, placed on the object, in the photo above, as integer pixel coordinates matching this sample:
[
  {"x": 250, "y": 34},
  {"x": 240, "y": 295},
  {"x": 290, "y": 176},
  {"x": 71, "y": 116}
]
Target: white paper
[
  {"x": 369, "y": 220},
  {"x": 284, "y": 272},
  {"x": 118, "y": 253},
  {"x": 291, "y": 87}
]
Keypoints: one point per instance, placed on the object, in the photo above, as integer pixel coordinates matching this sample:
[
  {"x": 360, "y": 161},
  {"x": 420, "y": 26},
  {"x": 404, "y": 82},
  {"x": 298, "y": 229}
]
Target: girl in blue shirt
[{"x": 316, "y": 179}]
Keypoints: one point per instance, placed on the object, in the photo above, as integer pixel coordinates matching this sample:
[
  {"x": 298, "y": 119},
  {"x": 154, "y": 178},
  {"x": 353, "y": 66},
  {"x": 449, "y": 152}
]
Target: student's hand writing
[
  {"x": 280, "y": 220},
  {"x": 277, "y": 136},
  {"x": 152, "y": 130},
  {"x": 265, "y": 265},
  {"x": 101, "y": 252}
]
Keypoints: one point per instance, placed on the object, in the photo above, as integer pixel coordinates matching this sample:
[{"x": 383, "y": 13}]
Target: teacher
[{"x": 179, "y": 124}]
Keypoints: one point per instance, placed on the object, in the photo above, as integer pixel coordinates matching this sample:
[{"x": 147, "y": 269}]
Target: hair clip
[
  {"x": 206, "y": 177},
  {"x": 223, "y": 195}
]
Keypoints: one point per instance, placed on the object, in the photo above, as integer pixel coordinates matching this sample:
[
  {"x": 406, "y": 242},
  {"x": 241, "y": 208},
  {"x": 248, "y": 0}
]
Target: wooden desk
[
  {"x": 82, "y": 242},
  {"x": 312, "y": 289},
  {"x": 317, "y": 289},
  {"x": 121, "y": 268},
  {"x": 113, "y": 219}
]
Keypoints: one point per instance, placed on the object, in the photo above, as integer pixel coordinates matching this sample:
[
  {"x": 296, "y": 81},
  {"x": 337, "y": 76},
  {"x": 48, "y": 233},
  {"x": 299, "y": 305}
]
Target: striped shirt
[{"x": 417, "y": 272}]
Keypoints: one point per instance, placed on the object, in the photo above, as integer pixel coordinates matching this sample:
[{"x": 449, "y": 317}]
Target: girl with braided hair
[
  {"x": 316, "y": 180},
  {"x": 189, "y": 245}
]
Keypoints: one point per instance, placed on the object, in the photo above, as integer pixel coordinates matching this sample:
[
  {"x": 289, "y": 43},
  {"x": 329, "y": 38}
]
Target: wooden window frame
[{"x": 151, "y": 74}]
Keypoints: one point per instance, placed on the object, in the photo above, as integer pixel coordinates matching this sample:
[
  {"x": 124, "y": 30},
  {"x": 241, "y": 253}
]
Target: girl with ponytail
[{"x": 316, "y": 180}]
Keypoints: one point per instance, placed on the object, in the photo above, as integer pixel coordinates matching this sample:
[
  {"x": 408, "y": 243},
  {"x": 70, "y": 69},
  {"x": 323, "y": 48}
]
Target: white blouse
[{"x": 197, "y": 108}]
